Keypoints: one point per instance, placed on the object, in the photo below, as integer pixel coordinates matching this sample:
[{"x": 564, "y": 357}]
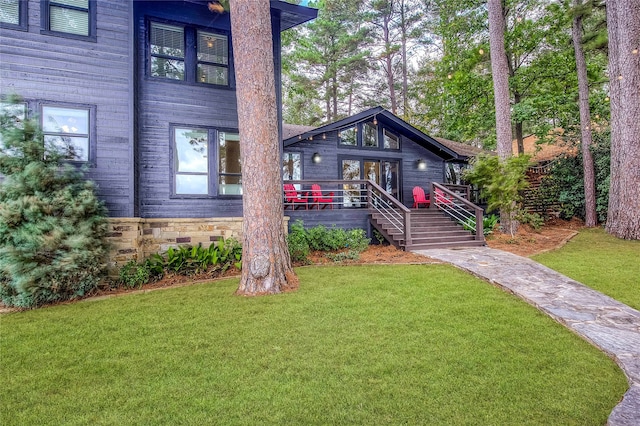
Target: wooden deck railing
[{"x": 458, "y": 208}]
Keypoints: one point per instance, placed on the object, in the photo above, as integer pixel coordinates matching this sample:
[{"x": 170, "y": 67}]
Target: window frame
[
  {"x": 23, "y": 18},
  {"x": 45, "y": 11},
  {"x": 380, "y": 133},
  {"x": 163, "y": 56},
  {"x": 190, "y": 59},
  {"x": 213, "y": 173},
  {"x": 92, "y": 138}
]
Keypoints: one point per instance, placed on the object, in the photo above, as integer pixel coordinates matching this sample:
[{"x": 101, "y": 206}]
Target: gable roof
[{"x": 448, "y": 150}]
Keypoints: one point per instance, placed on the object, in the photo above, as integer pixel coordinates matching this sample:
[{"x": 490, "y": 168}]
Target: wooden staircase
[{"x": 430, "y": 228}]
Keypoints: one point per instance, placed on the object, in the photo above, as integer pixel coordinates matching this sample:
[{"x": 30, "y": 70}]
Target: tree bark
[
  {"x": 591, "y": 218},
  {"x": 500, "y": 74},
  {"x": 405, "y": 85},
  {"x": 389, "y": 63},
  {"x": 623, "y": 27},
  {"x": 266, "y": 265}
]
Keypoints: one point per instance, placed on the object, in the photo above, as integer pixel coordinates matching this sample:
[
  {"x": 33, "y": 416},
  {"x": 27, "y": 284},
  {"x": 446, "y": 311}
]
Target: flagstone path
[{"x": 608, "y": 324}]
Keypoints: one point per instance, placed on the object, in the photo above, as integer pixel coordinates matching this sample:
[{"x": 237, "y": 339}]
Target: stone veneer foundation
[{"x": 138, "y": 238}]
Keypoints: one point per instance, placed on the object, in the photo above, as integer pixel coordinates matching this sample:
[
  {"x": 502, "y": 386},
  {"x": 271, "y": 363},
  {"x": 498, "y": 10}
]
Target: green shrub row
[
  {"x": 348, "y": 243},
  {"x": 184, "y": 260}
]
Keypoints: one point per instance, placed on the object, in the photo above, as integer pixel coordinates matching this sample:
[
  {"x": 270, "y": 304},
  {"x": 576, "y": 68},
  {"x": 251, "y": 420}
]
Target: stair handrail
[
  {"x": 444, "y": 206},
  {"x": 399, "y": 215}
]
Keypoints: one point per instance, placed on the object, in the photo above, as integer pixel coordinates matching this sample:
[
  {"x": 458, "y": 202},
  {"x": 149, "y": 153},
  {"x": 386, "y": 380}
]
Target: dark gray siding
[
  {"x": 49, "y": 68},
  {"x": 161, "y": 104},
  {"x": 332, "y": 153}
]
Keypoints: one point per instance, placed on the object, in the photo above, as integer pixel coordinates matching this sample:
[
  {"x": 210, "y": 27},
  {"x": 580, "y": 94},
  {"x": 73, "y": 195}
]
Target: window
[
  {"x": 167, "y": 51},
  {"x": 229, "y": 171},
  {"x": 191, "y": 161},
  {"x": 292, "y": 166},
  {"x": 370, "y": 135},
  {"x": 13, "y": 14},
  {"x": 391, "y": 141},
  {"x": 184, "y": 53},
  {"x": 69, "y": 18},
  {"x": 348, "y": 136},
  {"x": 68, "y": 130},
  {"x": 213, "y": 58},
  {"x": 16, "y": 113},
  {"x": 197, "y": 152}
]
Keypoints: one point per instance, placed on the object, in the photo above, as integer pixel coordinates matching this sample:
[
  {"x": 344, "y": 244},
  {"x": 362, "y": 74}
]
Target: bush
[
  {"x": 565, "y": 182},
  {"x": 298, "y": 243},
  {"x": 134, "y": 275},
  {"x": 488, "y": 224},
  {"x": 320, "y": 238},
  {"x": 52, "y": 225}
]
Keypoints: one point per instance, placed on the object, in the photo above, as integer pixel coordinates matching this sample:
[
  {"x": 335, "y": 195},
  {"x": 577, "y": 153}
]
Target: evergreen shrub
[
  {"x": 352, "y": 242},
  {"x": 52, "y": 225}
]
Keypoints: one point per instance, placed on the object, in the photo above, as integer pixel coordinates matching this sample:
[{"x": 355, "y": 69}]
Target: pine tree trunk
[
  {"x": 405, "y": 85},
  {"x": 389, "y": 65},
  {"x": 266, "y": 265},
  {"x": 591, "y": 218},
  {"x": 623, "y": 26},
  {"x": 500, "y": 74}
]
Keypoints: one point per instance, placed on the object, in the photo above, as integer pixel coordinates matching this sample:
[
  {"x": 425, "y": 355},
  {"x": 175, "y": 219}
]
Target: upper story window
[
  {"x": 213, "y": 58},
  {"x": 167, "y": 51},
  {"x": 13, "y": 14},
  {"x": 349, "y": 136},
  {"x": 391, "y": 141},
  {"x": 188, "y": 54},
  {"x": 69, "y": 18},
  {"x": 370, "y": 135},
  {"x": 68, "y": 129}
]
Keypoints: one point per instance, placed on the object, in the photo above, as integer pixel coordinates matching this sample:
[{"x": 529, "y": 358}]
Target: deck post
[
  {"x": 479, "y": 225},
  {"x": 407, "y": 229}
]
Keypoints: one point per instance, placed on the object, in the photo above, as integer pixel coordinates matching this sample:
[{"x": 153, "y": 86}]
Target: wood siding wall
[
  {"x": 332, "y": 153},
  {"x": 50, "y": 68}
]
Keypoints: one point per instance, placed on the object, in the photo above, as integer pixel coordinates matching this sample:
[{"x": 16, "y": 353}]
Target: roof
[
  {"x": 462, "y": 149},
  {"x": 290, "y": 130},
  {"x": 292, "y": 15},
  {"x": 544, "y": 151},
  {"x": 448, "y": 150}
]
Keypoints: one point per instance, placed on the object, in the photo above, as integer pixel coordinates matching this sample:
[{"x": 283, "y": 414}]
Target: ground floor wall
[{"x": 138, "y": 238}]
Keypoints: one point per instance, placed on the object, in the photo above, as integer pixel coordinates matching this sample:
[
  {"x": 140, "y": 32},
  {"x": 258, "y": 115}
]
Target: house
[
  {"x": 373, "y": 145},
  {"x": 143, "y": 92}
]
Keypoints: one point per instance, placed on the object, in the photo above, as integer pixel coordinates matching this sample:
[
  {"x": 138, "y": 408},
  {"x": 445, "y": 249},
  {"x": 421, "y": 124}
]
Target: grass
[
  {"x": 420, "y": 344},
  {"x": 600, "y": 261}
]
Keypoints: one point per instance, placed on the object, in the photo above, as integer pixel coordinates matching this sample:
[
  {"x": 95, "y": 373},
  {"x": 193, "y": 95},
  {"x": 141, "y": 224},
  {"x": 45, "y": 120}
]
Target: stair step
[
  {"x": 427, "y": 246},
  {"x": 443, "y": 239}
]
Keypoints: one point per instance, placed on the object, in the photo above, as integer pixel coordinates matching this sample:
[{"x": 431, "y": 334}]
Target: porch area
[{"x": 450, "y": 220}]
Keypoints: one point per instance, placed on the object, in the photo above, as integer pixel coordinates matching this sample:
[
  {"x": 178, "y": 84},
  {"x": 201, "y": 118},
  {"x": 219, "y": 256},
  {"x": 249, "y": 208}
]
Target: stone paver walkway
[{"x": 608, "y": 324}]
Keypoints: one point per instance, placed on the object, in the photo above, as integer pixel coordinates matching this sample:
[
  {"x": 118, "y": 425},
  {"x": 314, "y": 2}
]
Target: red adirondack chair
[
  {"x": 320, "y": 199},
  {"x": 442, "y": 198},
  {"x": 292, "y": 199},
  {"x": 420, "y": 198}
]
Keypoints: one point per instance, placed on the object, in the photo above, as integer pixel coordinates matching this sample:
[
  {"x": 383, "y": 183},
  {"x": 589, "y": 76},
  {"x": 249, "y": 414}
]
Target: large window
[
  {"x": 206, "y": 162},
  {"x": 13, "y": 14},
  {"x": 17, "y": 113},
  {"x": 68, "y": 129},
  {"x": 370, "y": 135},
  {"x": 391, "y": 141},
  {"x": 179, "y": 52},
  {"x": 191, "y": 161},
  {"x": 70, "y": 18}
]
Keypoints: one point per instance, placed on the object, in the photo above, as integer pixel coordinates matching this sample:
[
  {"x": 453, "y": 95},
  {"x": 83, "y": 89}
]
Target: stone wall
[{"x": 138, "y": 238}]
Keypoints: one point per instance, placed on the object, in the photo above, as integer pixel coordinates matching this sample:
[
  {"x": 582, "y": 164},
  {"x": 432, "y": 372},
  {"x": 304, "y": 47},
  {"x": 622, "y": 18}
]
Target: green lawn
[
  {"x": 420, "y": 344},
  {"x": 601, "y": 261}
]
